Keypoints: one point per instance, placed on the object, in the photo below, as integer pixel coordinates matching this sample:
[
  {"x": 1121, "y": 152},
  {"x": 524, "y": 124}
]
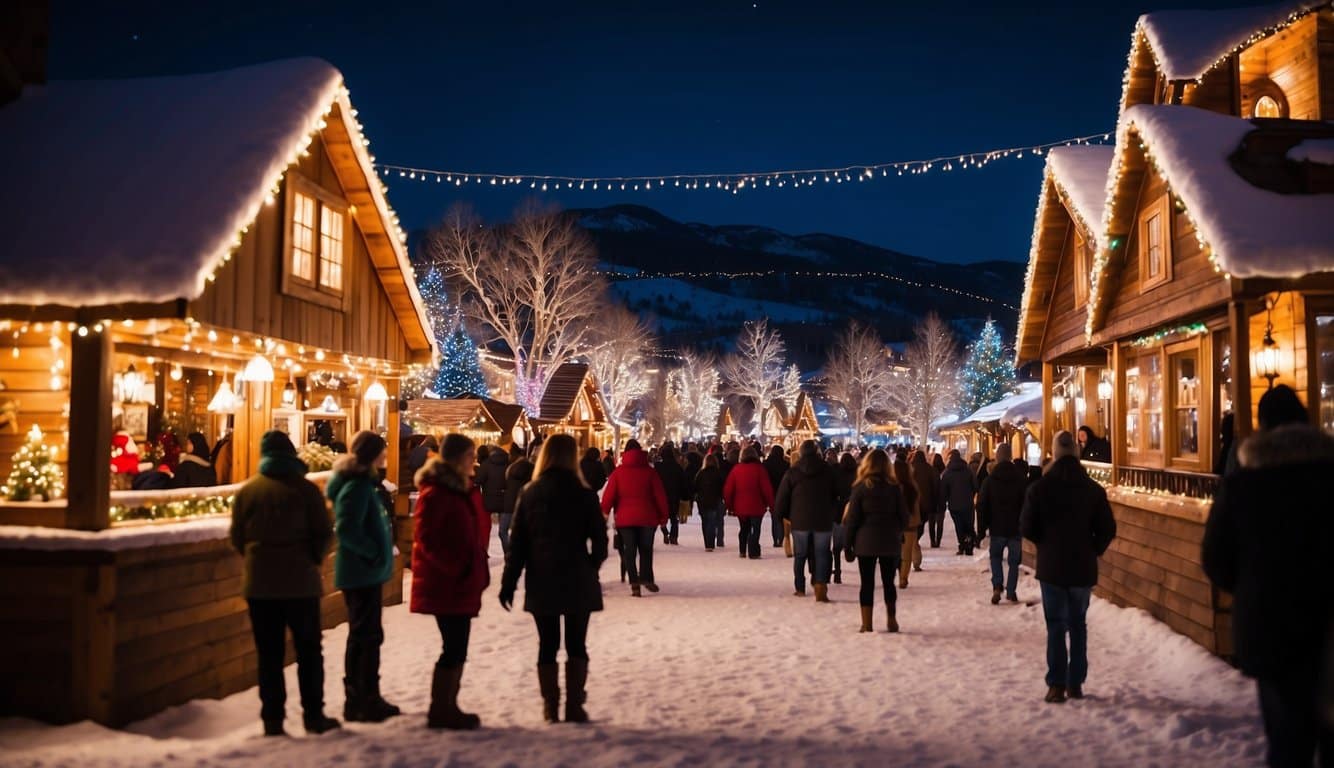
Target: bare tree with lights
[
  {"x": 859, "y": 376},
  {"x": 532, "y": 284},
  {"x": 755, "y": 370},
  {"x": 933, "y": 378},
  {"x": 789, "y": 388},
  {"x": 696, "y": 383},
  {"x": 617, "y": 358}
]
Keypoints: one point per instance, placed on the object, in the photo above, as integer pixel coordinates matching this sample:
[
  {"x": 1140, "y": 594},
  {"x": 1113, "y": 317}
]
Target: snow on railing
[{"x": 133, "y": 507}]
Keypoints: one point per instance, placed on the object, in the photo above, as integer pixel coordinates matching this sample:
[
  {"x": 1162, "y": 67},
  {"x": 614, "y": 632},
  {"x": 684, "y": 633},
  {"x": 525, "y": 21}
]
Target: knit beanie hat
[
  {"x": 1063, "y": 444},
  {"x": 275, "y": 443},
  {"x": 367, "y": 447}
]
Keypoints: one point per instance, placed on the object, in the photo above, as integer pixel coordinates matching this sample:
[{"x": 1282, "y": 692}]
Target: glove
[
  {"x": 506, "y": 599},
  {"x": 850, "y": 555}
]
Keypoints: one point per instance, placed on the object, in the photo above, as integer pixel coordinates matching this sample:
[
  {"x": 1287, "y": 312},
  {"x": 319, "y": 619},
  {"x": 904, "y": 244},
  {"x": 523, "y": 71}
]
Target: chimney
[{"x": 24, "y": 31}]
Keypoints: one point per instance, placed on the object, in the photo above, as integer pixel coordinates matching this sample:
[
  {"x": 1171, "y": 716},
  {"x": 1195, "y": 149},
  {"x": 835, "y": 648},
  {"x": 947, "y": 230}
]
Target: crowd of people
[{"x": 553, "y": 508}]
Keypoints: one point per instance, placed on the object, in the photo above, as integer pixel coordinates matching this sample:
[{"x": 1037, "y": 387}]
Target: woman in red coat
[
  {"x": 635, "y": 493},
  {"x": 449, "y": 570},
  {"x": 749, "y": 494}
]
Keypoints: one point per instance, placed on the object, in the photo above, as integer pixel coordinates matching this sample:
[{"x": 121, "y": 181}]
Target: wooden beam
[
  {"x": 1116, "y": 420},
  {"x": 1239, "y": 327},
  {"x": 88, "y": 478},
  {"x": 1048, "y": 415},
  {"x": 47, "y": 313}
]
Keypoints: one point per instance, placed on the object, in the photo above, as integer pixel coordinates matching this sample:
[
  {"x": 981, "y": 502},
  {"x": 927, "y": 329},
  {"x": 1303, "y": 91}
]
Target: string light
[{"x": 739, "y": 181}]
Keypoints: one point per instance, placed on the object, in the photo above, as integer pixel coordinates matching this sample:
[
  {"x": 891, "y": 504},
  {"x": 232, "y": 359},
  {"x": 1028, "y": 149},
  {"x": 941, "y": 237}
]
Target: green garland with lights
[
  {"x": 1157, "y": 337},
  {"x": 174, "y": 510}
]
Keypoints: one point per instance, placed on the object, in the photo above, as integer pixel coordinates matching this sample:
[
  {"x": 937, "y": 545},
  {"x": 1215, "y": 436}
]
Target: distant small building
[{"x": 572, "y": 405}]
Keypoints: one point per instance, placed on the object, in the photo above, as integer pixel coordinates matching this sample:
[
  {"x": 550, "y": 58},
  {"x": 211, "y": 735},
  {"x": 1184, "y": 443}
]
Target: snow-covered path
[{"x": 725, "y": 667}]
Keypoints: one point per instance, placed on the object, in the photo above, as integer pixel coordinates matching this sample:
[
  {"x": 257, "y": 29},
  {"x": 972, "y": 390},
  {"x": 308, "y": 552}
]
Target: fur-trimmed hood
[
  {"x": 347, "y": 465},
  {"x": 438, "y": 473},
  {"x": 1285, "y": 445}
]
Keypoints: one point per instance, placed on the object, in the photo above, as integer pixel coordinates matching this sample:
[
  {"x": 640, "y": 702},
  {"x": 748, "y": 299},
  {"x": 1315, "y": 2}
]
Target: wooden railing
[
  {"x": 1195, "y": 485},
  {"x": 1102, "y": 473}
]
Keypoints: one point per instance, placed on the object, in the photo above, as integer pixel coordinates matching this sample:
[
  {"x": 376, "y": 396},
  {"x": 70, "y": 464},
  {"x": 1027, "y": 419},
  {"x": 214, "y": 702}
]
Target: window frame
[
  {"x": 315, "y": 291},
  {"x": 1162, "y": 208},
  {"x": 1167, "y": 456},
  {"x": 1175, "y": 459},
  {"x": 1081, "y": 262}
]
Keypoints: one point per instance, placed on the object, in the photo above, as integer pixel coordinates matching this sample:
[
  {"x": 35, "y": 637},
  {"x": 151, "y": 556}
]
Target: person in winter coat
[
  {"x": 517, "y": 475},
  {"x": 608, "y": 462},
  {"x": 1067, "y": 516},
  {"x": 1092, "y": 447},
  {"x": 676, "y": 486},
  {"x": 449, "y": 570},
  {"x": 911, "y": 557},
  {"x": 938, "y": 463},
  {"x": 635, "y": 495},
  {"x": 776, "y": 465},
  {"x": 846, "y": 472},
  {"x": 693, "y": 462},
  {"x": 709, "y": 496},
  {"x": 591, "y": 469},
  {"x": 560, "y": 540},
  {"x": 930, "y": 501},
  {"x": 878, "y": 515},
  {"x": 957, "y": 486},
  {"x": 999, "y": 504},
  {"x": 193, "y": 469},
  {"x": 281, "y": 525},
  {"x": 748, "y": 494},
  {"x": 363, "y": 562},
  {"x": 491, "y": 480},
  {"x": 807, "y": 498},
  {"x": 1283, "y": 601}
]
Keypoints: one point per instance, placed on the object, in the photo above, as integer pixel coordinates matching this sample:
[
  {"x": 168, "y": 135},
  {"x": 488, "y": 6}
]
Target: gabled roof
[
  {"x": 1017, "y": 407},
  {"x": 449, "y": 413},
  {"x": 1247, "y": 230},
  {"x": 1187, "y": 44},
  {"x": 125, "y": 191},
  {"x": 507, "y": 415},
  {"x": 563, "y": 390}
]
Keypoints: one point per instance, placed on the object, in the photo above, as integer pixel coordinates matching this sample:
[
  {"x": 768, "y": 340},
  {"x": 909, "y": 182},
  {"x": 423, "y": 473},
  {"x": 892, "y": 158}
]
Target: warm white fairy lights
[{"x": 730, "y": 182}]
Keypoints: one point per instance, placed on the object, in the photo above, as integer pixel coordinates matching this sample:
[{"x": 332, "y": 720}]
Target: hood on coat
[
  {"x": 1065, "y": 468},
  {"x": 498, "y": 457},
  {"x": 634, "y": 458},
  {"x": 1288, "y": 444},
  {"x": 812, "y": 465},
  {"x": 438, "y": 473},
  {"x": 957, "y": 463},
  {"x": 346, "y": 470},
  {"x": 281, "y": 466},
  {"x": 1005, "y": 470}
]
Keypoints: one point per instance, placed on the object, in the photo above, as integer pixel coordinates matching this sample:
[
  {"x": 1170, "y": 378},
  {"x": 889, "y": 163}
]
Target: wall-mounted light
[
  {"x": 289, "y": 392},
  {"x": 1058, "y": 401},
  {"x": 259, "y": 370},
  {"x": 176, "y": 373},
  {"x": 1265, "y": 360},
  {"x": 1104, "y": 389}
]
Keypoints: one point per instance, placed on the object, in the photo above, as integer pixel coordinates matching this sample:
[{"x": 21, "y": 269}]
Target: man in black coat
[
  {"x": 677, "y": 486},
  {"x": 776, "y": 465},
  {"x": 999, "y": 505},
  {"x": 1067, "y": 516},
  {"x": 807, "y": 498},
  {"x": 1283, "y": 600}
]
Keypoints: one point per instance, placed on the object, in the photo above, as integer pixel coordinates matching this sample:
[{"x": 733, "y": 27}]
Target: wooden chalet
[
  {"x": 727, "y": 428},
  {"x": 790, "y": 427},
  {"x": 226, "y": 263},
  {"x": 1012, "y": 420},
  {"x": 1170, "y": 293},
  {"x": 515, "y": 429},
  {"x": 572, "y": 405},
  {"x": 487, "y": 422}
]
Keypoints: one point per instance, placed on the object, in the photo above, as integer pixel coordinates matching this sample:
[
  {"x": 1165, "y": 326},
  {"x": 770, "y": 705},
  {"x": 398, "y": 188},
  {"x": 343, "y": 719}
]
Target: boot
[
  {"x": 995, "y": 595},
  {"x": 634, "y": 591},
  {"x": 576, "y": 675},
  {"x": 903, "y": 581},
  {"x": 866, "y": 618},
  {"x": 1074, "y": 692},
  {"x": 838, "y": 577},
  {"x": 1055, "y": 695},
  {"x": 444, "y": 711},
  {"x": 354, "y": 705},
  {"x": 274, "y": 728},
  {"x": 893, "y": 623},
  {"x": 319, "y": 723},
  {"x": 787, "y": 538},
  {"x": 548, "y": 679},
  {"x": 821, "y": 593}
]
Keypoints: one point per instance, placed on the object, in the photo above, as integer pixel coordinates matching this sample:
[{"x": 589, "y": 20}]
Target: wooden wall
[
  {"x": 116, "y": 637},
  {"x": 1194, "y": 286},
  {"x": 1290, "y": 59},
  {"x": 27, "y": 382},
  {"x": 247, "y": 294},
  {"x": 1289, "y": 319},
  {"x": 1325, "y": 55},
  {"x": 1216, "y": 92},
  {"x": 1064, "y": 330}
]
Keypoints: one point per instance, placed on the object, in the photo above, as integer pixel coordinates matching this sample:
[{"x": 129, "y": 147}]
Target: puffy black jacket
[
  {"x": 776, "y": 468},
  {"x": 594, "y": 474},
  {"x": 877, "y": 516},
  {"x": 930, "y": 501},
  {"x": 674, "y": 483},
  {"x": 560, "y": 537},
  {"x": 708, "y": 489},
  {"x": 1001, "y": 500},
  {"x": 1283, "y": 601},
  {"x": 491, "y": 479},
  {"x": 516, "y": 477},
  {"x": 808, "y": 495},
  {"x": 1067, "y": 516},
  {"x": 957, "y": 486}
]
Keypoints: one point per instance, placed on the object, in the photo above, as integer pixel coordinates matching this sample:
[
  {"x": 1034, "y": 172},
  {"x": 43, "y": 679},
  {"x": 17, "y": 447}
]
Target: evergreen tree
[
  {"x": 987, "y": 373},
  {"x": 460, "y": 371},
  {"x": 35, "y": 475}
]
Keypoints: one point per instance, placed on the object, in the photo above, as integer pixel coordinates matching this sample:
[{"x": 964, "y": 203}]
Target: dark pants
[
  {"x": 503, "y": 523},
  {"x": 1065, "y": 609},
  {"x": 889, "y": 568},
  {"x": 454, "y": 634},
  {"x": 999, "y": 547},
  {"x": 365, "y": 635},
  {"x": 776, "y": 524},
  {"x": 711, "y": 521},
  {"x": 548, "y": 637},
  {"x": 749, "y": 537},
  {"x": 1294, "y": 727},
  {"x": 672, "y": 528},
  {"x": 963, "y": 527},
  {"x": 836, "y": 543},
  {"x": 936, "y": 526},
  {"x": 269, "y": 621},
  {"x": 637, "y": 540}
]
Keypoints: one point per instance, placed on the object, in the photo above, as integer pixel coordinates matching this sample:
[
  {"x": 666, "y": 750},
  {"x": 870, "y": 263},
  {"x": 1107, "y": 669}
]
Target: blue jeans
[
  {"x": 711, "y": 520},
  {"x": 815, "y": 545},
  {"x": 503, "y": 524},
  {"x": 1064, "y": 609},
  {"x": 1016, "y": 555}
]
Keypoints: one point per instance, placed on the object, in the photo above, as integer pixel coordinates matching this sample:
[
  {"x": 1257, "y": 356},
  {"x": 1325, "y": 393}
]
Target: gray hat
[{"x": 1063, "y": 444}]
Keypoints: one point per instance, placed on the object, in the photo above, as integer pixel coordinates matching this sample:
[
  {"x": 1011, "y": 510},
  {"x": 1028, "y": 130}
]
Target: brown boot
[
  {"x": 576, "y": 675},
  {"x": 444, "y": 711},
  {"x": 995, "y": 595},
  {"x": 821, "y": 593},
  {"x": 787, "y": 538},
  {"x": 548, "y": 680},
  {"x": 866, "y": 618},
  {"x": 893, "y": 623}
]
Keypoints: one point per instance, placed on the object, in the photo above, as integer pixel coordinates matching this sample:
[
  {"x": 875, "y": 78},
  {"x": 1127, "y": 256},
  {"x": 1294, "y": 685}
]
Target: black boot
[
  {"x": 548, "y": 680},
  {"x": 576, "y": 675},
  {"x": 444, "y": 711},
  {"x": 318, "y": 723}
]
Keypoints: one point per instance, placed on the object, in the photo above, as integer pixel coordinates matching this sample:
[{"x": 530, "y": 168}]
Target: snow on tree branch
[
  {"x": 933, "y": 360},
  {"x": 755, "y": 370}
]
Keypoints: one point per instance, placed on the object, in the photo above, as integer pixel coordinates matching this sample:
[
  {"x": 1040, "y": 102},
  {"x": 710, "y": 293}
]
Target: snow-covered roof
[
  {"x": 1081, "y": 173},
  {"x": 1187, "y": 44},
  {"x": 118, "y": 191},
  {"x": 1318, "y": 151},
  {"x": 1025, "y": 405}
]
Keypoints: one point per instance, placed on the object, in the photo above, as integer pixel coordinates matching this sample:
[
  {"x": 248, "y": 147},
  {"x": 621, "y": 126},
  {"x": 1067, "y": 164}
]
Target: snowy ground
[{"x": 725, "y": 667}]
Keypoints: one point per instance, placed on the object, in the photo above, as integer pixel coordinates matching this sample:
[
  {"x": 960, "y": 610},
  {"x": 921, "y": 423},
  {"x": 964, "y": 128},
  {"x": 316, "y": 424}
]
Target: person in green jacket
[
  {"x": 281, "y": 525},
  {"x": 364, "y": 561}
]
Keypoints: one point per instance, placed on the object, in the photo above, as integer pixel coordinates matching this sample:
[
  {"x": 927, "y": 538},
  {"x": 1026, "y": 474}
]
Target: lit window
[
  {"x": 1268, "y": 106},
  {"x": 1187, "y": 402},
  {"x": 1153, "y": 241},
  {"x": 331, "y": 248},
  {"x": 303, "y": 237}
]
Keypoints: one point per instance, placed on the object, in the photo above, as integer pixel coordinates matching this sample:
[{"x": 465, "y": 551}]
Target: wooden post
[
  {"x": 1048, "y": 415},
  {"x": 88, "y": 479},
  {"x": 1239, "y": 328},
  {"x": 1115, "y": 418},
  {"x": 93, "y": 641},
  {"x": 393, "y": 420}
]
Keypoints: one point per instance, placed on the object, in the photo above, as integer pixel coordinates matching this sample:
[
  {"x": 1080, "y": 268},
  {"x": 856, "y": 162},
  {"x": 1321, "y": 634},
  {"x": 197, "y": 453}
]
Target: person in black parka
[
  {"x": 878, "y": 514},
  {"x": 999, "y": 505},
  {"x": 776, "y": 465},
  {"x": 677, "y": 487},
  {"x": 1283, "y": 600},
  {"x": 591, "y": 467},
  {"x": 560, "y": 538},
  {"x": 806, "y": 498}
]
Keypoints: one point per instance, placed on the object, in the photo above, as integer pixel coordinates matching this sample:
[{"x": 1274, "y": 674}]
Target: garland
[{"x": 174, "y": 510}]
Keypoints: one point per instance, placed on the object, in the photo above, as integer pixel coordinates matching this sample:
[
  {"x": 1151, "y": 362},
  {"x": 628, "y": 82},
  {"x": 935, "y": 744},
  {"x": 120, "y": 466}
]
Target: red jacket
[
  {"x": 635, "y": 492},
  {"x": 748, "y": 492},
  {"x": 449, "y": 569}
]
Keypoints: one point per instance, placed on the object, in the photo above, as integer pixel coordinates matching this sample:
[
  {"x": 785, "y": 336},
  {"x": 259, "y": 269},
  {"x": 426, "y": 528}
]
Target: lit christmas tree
[
  {"x": 460, "y": 372},
  {"x": 987, "y": 373},
  {"x": 35, "y": 475}
]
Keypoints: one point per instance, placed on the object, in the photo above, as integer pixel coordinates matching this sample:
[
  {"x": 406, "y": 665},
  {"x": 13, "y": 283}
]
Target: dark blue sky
[{"x": 613, "y": 88}]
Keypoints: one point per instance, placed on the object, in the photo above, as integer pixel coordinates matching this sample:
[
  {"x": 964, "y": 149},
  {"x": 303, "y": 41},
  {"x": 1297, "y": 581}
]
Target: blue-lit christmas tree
[
  {"x": 987, "y": 373},
  {"x": 460, "y": 372}
]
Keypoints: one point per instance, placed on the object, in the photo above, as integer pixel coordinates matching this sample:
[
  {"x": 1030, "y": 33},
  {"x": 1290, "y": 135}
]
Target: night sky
[{"x": 618, "y": 88}]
